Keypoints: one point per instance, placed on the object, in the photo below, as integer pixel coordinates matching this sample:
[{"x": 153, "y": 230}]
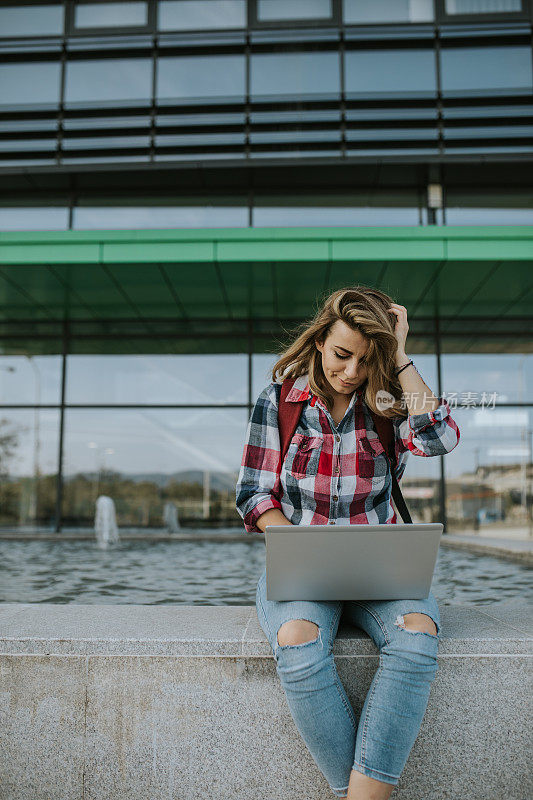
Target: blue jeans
[{"x": 397, "y": 698}]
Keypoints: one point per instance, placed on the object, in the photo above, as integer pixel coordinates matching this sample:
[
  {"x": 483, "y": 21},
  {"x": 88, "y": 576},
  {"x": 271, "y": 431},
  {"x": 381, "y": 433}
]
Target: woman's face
[{"x": 343, "y": 358}]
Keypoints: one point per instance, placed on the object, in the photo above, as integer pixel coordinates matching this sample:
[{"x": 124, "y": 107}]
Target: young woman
[{"x": 349, "y": 358}]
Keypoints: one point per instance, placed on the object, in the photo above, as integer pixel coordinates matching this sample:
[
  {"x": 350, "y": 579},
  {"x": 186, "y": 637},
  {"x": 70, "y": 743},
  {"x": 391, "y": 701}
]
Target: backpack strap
[{"x": 289, "y": 415}]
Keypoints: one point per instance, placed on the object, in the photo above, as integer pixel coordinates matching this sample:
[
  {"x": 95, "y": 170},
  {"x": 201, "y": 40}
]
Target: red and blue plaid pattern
[{"x": 331, "y": 474}]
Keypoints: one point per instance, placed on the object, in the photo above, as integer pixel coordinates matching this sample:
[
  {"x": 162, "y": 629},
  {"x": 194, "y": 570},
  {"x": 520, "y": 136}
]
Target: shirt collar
[{"x": 301, "y": 391}]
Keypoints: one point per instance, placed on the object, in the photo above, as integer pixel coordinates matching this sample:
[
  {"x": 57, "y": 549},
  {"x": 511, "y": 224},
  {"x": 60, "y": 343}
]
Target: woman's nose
[{"x": 351, "y": 370}]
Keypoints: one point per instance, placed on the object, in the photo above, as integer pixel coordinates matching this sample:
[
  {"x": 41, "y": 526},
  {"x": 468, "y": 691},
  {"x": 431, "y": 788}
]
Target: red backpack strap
[
  {"x": 288, "y": 418},
  {"x": 385, "y": 433}
]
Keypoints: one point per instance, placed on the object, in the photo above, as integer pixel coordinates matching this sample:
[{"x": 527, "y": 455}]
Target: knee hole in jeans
[
  {"x": 422, "y": 624},
  {"x": 297, "y": 631}
]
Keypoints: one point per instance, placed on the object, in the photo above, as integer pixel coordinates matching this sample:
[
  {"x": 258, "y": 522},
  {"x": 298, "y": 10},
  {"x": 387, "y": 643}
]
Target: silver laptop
[{"x": 351, "y": 562}]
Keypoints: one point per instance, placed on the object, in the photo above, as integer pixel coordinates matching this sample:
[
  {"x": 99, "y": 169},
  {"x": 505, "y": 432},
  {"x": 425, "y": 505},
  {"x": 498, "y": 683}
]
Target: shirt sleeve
[
  {"x": 258, "y": 485},
  {"x": 433, "y": 434}
]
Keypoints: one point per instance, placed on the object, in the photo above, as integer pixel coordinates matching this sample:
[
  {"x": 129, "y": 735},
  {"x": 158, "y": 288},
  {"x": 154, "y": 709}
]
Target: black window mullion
[
  {"x": 59, "y": 481},
  {"x": 342, "y": 68}
]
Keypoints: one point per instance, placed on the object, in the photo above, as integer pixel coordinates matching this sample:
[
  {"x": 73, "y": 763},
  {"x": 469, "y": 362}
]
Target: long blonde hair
[{"x": 365, "y": 310}]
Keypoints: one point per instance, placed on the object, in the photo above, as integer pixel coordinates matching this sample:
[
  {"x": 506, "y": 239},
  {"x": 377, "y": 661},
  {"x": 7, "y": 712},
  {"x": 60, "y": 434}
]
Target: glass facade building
[{"x": 182, "y": 179}]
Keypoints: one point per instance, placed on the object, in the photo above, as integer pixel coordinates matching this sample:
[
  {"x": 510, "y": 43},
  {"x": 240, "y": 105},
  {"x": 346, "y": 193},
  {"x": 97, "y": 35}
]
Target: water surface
[{"x": 206, "y": 573}]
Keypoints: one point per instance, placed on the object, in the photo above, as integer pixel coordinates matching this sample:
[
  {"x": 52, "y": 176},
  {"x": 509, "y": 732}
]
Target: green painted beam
[{"x": 222, "y": 245}]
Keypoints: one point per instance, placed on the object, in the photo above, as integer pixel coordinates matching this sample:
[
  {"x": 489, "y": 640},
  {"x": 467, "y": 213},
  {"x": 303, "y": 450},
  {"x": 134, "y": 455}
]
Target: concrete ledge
[
  {"x": 125, "y": 702},
  {"x": 520, "y": 550}
]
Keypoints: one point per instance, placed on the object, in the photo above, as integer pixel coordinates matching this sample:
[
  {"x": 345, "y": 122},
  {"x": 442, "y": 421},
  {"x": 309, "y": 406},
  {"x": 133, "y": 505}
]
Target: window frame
[
  {"x": 72, "y": 31},
  {"x": 442, "y": 18},
  {"x": 254, "y": 23}
]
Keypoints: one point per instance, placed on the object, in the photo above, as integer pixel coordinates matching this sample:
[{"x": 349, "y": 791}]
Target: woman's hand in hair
[{"x": 400, "y": 331}]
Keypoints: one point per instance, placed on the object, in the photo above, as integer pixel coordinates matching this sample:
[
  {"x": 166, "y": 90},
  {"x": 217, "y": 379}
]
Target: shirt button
[
  {"x": 335, "y": 496},
  {"x": 338, "y": 438},
  {"x": 332, "y": 522}
]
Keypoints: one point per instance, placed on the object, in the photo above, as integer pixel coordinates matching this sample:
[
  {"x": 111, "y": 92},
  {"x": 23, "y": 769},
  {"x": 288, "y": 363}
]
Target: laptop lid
[{"x": 351, "y": 562}]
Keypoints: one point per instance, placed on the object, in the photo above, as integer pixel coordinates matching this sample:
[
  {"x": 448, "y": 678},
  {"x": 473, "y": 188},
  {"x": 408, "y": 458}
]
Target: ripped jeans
[{"x": 379, "y": 745}]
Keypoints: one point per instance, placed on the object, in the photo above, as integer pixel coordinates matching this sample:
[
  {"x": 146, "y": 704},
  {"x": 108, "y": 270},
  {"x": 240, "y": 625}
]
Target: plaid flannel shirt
[{"x": 332, "y": 474}]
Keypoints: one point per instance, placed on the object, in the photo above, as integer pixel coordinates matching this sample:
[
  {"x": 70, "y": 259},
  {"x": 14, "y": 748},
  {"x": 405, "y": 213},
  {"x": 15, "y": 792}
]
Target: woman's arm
[
  {"x": 434, "y": 433},
  {"x": 272, "y": 517},
  {"x": 258, "y": 484},
  {"x": 418, "y": 396},
  {"x": 429, "y": 430}
]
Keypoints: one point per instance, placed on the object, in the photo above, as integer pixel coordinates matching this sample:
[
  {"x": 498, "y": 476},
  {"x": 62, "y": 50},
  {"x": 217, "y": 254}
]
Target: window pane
[
  {"x": 107, "y": 15},
  {"x": 295, "y": 73},
  {"x": 182, "y": 15},
  {"x": 30, "y": 379},
  {"x": 112, "y": 79},
  {"x": 390, "y": 71},
  {"x": 486, "y": 68},
  {"x": 489, "y": 216},
  {"x": 487, "y": 482},
  {"x": 108, "y": 218},
  {"x": 31, "y": 21},
  {"x": 142, "y": 458},
  {"x": 293, "y": 9},
  {"x": 482, "y": 6},
  {"x": 145, "y": 441},
  {"x": 284, "y": 216},
  {"x": 510, "y": 375},
  {"x": 29, "y": 444},
  {"x": 29, "y": 83},
  {"x": 262, "y": 364},
  {"x": 200, "y": 77},
  {"x": 192, "y": 379},
  {"x": 361, "y": 11},
  {"x": 37, "y": 219}
]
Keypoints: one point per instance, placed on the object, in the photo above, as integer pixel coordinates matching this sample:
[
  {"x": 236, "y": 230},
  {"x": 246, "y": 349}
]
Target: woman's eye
[{"x": 362, "y": 361}]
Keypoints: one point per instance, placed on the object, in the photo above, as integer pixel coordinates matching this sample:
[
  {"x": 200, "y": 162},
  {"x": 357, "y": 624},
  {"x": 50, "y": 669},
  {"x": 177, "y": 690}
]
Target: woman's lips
[{"x": 346, "y": 384}]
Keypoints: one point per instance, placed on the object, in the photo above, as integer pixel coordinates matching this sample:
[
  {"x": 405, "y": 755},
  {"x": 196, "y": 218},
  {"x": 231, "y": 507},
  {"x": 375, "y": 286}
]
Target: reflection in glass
[
  {"x": 131, "y": 218},
  {"x": 482, "y": 6},
  {"x": 191, "y": 379},
  {"x": 110, "y": 79},
  {"x": 33, "y": 82},
  {"x": 487, "y": 473},
  {"x": 284, "y": 216},
  {"x": 509, "y": 375},
  {"x": 33, "y": 219},
  {"x": 293, "y": 9},
  {"x": 486, "y": 68},
  {"x": 28, "y": 466},
  {"x": 144, "y": 458},
  {"x": 201, "y": 76},
  {"x": 30, "y": 379},
  {"x": 489, "y": 216},
  {"x": 294, "y": 137},
  {"x": 183, "y": 15},
  {"x": 295, "y": 73},
  {"x": 200, "y": 140},
  {"x": 362, "y": 12},
  {"x": 31, "y": 20},
  {"x": 390, "y": 71},
  {"x": 108, "y": 15},
  {"x": 262, "y": 364}
]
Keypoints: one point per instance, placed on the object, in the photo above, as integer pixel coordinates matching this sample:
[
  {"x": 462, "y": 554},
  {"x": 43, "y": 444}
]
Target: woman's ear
[{"x": 319, "y": 346}]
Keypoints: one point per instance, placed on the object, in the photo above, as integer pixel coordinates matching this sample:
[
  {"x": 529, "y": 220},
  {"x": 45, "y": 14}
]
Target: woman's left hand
[{"x": 402, "y": 326}]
